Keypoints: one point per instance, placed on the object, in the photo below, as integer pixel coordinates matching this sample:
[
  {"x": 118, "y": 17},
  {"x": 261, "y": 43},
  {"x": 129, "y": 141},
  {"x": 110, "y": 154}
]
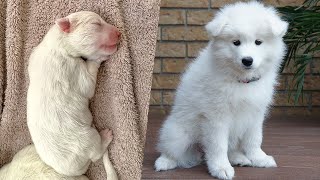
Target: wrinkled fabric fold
[
  {"x": 124, "y": 82},
  {"x": 2, "y": 53}
]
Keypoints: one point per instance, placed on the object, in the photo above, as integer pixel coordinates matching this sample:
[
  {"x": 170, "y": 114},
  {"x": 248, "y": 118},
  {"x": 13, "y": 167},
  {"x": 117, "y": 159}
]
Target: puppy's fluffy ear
[
  {"x": 64, "y": 24},
  {"x": 278, "y": 27},
  {"x": 215, "y": 27}
]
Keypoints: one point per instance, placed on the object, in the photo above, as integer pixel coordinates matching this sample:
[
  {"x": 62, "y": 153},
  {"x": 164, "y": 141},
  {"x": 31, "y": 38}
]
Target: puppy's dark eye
[
  {"x": 236, "y": 43},
  {"x": 258, "y": 42}
]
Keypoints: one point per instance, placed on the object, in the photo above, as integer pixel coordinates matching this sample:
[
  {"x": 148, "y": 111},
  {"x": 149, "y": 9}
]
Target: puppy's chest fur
[
  {"x": 240, "y": 98},
  {"x": 243, "y": 104},
  {"x": 247, "y": 104}
]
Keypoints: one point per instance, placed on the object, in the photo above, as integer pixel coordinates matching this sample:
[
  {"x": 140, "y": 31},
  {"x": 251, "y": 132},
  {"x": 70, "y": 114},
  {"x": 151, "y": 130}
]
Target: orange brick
[
  {"x": 171, "y": 16},
  {"x": 316, "y": 54},
  {"x": 290, "y": 69},
  {"x": 194, "y": 48},
  {"x": 295, "y": 111},
  {"x": 282, "y": 99},
  {"x": 312, "y": 83},
  {"x": 290, "y": 82},
  {"x": 168, "y": 97},
  {"x": 315, "y": 66},
  {"x": 220, "y": 3},
  {"x": 159, "y": 33},
  {"x": 165, "y": 81},
  {"x": 281, "y": 3},
  {"x": 199, "y": 17},
  {"x": 155, "y": 97},
  {"x": 156, "y": 111},
  {"x": 157, "y": 65},
  {"x": 174, "y": 65},
  {"x": 170, "y": 49},
  {"x": 315, "y": 101},
  {"x": 281, "y": 83},
  {"x": 189, "y": 33},
  {"x": 301, "y": 50},
  {"x": 185, "y": 3}
]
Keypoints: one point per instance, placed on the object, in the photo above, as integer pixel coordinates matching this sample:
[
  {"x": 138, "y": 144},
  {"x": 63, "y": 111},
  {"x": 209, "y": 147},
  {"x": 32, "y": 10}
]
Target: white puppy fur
[
  {"x": 61, "y": 84},
  {"x": 221, "y": 103},
  {"x": 27, "y": 164}
]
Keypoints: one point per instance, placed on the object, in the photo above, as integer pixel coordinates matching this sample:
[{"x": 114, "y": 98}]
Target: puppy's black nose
[{"x": 247, "y": 61}]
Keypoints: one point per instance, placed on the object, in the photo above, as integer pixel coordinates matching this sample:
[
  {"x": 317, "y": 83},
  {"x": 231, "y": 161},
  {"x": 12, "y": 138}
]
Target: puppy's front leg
[
  {"x": 88, "y": 77},
  {"x": 215, "y": 142},
  {"x": 251, "y": 145},
  {"x": 92, "y": 67}
]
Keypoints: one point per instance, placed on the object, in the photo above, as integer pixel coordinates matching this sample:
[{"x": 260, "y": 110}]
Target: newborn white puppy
[
  {"x": 61, "y": 84},
  {"x": 26, "y": 164},
  {"x": 225, "y": 93}
]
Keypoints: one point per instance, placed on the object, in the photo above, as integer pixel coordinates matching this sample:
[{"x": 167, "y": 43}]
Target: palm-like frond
[{"x": 302, "y": 40}]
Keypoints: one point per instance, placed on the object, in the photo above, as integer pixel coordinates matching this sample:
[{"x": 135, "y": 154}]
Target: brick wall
[{"x": 180, "y": 37}]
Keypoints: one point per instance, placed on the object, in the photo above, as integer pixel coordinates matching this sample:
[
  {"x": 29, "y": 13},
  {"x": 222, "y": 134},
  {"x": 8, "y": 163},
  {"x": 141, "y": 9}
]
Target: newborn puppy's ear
[
  {"x": 215, "y": 27},
  {"x": 64, "y": 24}
]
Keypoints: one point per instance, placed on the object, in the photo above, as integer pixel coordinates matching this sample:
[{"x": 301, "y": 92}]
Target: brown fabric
[{"x": 122, "y": 94}]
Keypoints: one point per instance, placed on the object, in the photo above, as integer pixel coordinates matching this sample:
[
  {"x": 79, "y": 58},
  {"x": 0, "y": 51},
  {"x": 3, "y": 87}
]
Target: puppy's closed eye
[
  {"x": 83, "y": 58},
  {"x": 97, "y": 23}
]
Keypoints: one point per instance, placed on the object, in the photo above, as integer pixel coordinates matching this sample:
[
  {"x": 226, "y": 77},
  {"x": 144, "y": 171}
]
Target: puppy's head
[
  {"x": 87, "y": 34},
  {"x": 247, "y": 37}
]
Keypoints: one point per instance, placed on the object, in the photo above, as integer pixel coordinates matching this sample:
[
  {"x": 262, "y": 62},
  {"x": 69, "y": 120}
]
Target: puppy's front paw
[
  {"x": 98, "y": 61},
  {"x": 106, "y": 136},
  {"x": 265, "y": 161},
  {"x": 221, "y": 172},
  {"x": 164, "y": 163},
  {"x": 238, "y": 159},
  {"x": 102, "y": 59}
]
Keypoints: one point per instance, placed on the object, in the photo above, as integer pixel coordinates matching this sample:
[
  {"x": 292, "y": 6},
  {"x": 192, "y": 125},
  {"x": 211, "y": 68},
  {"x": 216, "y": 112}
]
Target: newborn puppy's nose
[
  {"x": 247, "y": 61},
  {"x": 114, "y": 35},
  {"x": 118, "y": 33}
]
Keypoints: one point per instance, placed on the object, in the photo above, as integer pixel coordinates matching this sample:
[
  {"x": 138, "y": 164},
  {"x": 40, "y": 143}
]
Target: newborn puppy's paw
[
  {"x": 100, "y": 60},
  {"x": 106, "y": 136}
]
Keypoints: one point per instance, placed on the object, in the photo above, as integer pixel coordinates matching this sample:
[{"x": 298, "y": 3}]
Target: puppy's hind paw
[
  {"x": 106, "y": 136},
  {"x": 164, "y": 163}
]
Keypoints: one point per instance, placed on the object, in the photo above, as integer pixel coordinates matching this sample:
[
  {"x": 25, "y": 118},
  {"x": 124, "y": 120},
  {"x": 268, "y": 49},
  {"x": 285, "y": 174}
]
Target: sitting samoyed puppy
[
  {"x": 63, "y": 72},
  {"x": 225, "y": 93}
]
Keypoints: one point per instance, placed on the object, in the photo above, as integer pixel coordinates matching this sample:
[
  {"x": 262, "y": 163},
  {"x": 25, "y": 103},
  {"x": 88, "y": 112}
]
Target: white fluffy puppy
[
  {"x": 224, "y": 95},
  {"x": 61, "y": 84}
]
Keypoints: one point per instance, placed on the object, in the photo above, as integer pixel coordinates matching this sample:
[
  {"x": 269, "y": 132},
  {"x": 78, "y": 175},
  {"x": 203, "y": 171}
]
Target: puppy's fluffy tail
[{"x": 111, "y": 172}]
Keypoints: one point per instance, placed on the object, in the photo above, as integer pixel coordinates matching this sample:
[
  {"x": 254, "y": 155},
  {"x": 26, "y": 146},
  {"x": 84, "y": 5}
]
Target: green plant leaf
[{"x": 302, "y": 41}]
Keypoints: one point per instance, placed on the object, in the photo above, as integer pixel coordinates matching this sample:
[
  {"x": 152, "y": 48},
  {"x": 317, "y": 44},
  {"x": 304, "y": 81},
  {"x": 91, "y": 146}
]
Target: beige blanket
[{"x": 122, "y": 94}]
